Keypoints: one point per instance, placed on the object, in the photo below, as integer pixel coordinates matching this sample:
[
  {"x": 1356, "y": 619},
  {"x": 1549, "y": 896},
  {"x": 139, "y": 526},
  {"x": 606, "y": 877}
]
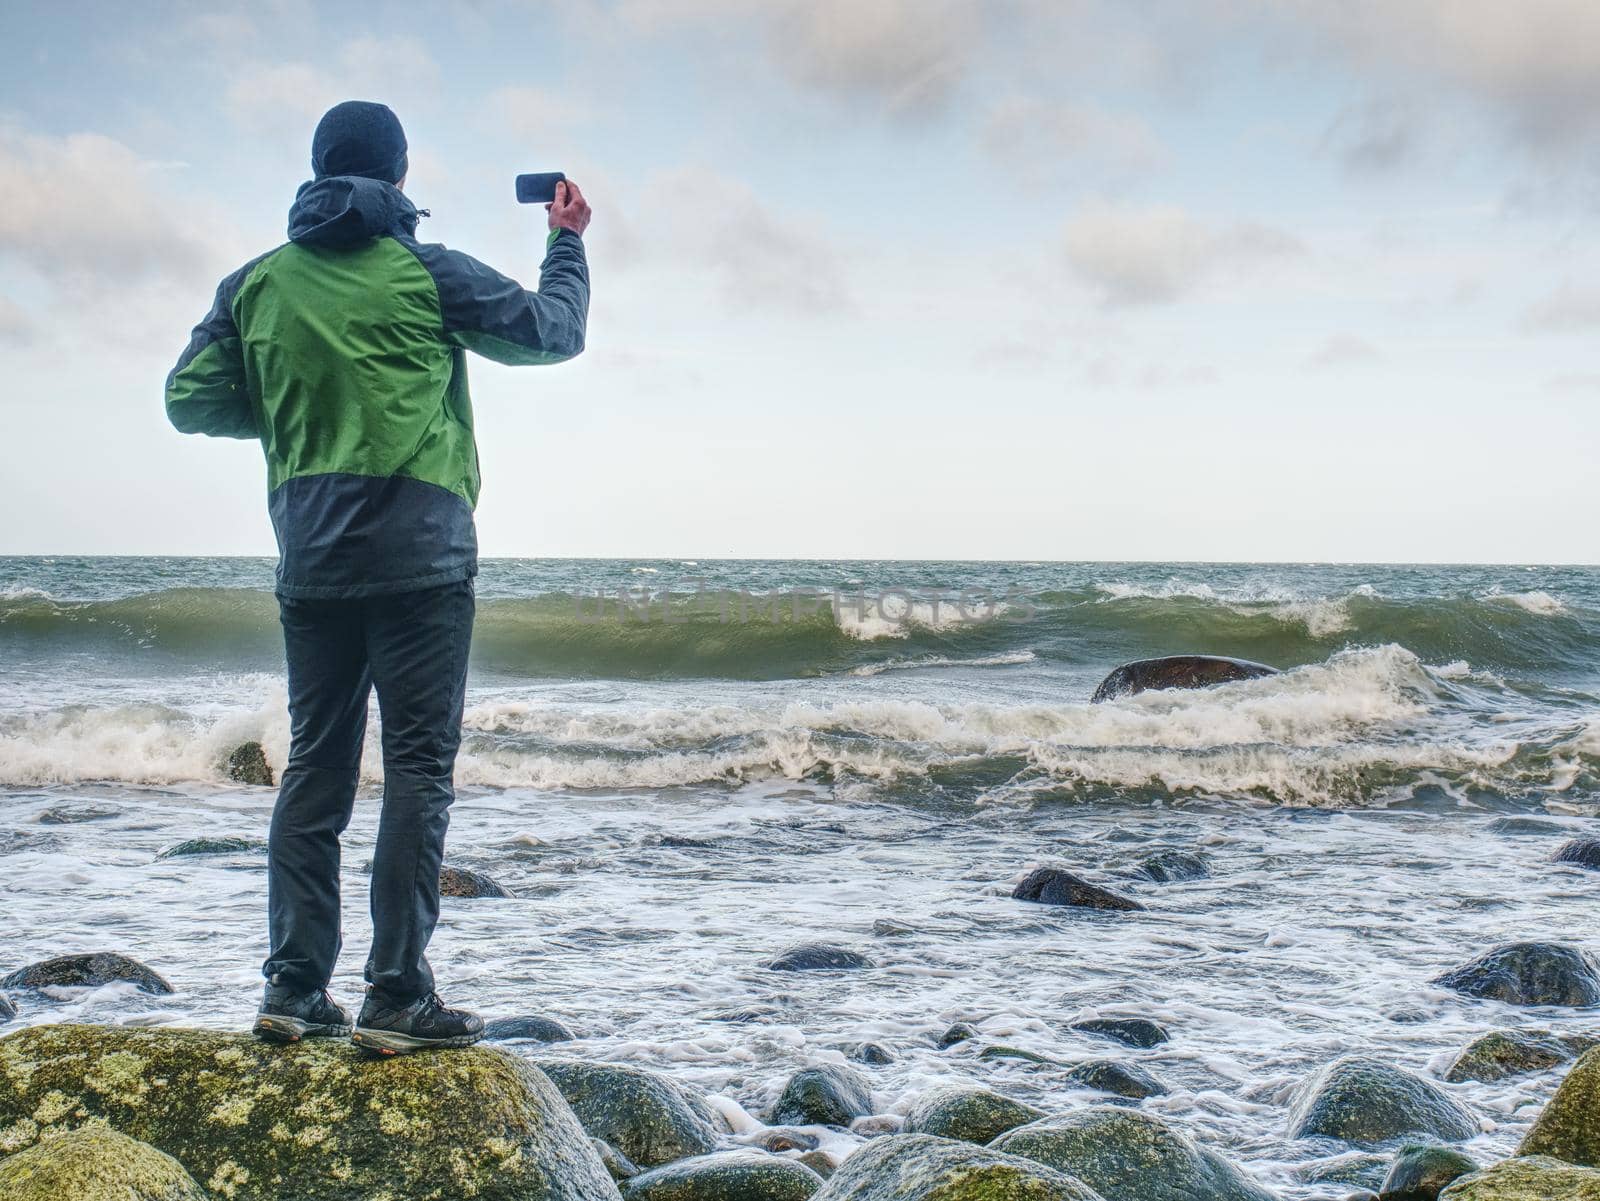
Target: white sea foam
[
  {"x": 894, "y": 615},
  {"x": 1010, "y": 659},
  {"x": 1321, "y": 617},
  {"x": 1539, "y": 603}
]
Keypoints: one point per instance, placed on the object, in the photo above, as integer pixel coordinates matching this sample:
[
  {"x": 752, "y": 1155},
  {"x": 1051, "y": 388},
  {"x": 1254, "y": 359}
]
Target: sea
[{"x": 680, "y": 768}]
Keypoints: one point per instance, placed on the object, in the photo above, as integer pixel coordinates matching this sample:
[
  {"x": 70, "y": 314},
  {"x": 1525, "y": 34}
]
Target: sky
[{"x": 1296, "y": 280}]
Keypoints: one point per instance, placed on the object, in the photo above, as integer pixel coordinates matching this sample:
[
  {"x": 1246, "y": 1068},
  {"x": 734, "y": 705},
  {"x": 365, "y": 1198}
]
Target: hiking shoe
[
  {"x": 286, "y": 1016},
  {"x": 426, "y": 1023}
]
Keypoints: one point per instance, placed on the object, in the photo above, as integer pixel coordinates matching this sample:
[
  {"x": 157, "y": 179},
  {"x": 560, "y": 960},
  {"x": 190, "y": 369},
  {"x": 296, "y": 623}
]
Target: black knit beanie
[{"x": 359, "y": 137}]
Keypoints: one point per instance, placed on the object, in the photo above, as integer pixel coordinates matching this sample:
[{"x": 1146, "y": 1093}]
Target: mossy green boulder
[
  {"x": 251, "y": 1121},
  {"x": 1535, "y": 1178},
  {"x": 1367, "y": 1102},
  {"x": 969, "y": 1113},
  {"x": 1421, "y": 1173},
  {"x": 1130, "y": 1156},
  {"x": 919, "y": 1167},
  {"x": 726, "y": 1176},
  {"x": 95, "y": 1163},
  {"x": 649, "y": 1118},
  {"x": 824, "y": 1095},
  {"x": 1569, "y": 1126},
  {"x": 1502, "y": 1053}
]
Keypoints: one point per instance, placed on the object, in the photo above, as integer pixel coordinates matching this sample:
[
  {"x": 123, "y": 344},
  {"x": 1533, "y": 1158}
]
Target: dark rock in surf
[
  {"x": 618, "y": 1166},
  {"x": 1528, "y": 973},
  {"x": 1130, "y": 1156},
  {"x": 873, "y": 1054},
  {"x": 1504, "y": 1053},
  {"x": 1177, "y": 671},
  {"x": 959, "y": 1033},
  {"x": 744, "y": 1015},
  {"x": 825, "y": 1095},
  {"x": 1422, "y": 1173},
  {"x": 1357, "y": 1168},
  {"x": 884, "y": 927},
  {"x": 526, "y": 1029},
  {"x": 72, "y": 815},
  {"x": 968, "y": 1113},
  {"x": 248, "y": 765},
  {"x": 1517, "y": 827},
  {"x": 818, "y": 957},
  {"x": 213, "y": 846},
  {"x": 1367, "y": 1102},
  {"x": 1131, "y": 1032},
  {"x": 74, "y": 971},
  {"x": 649, "y": 1118},
  {"x": 1055, "y": 886},
  {"x": 464, "y": 882},
  {"x": 8, "y": 1010},
  {"x": 726, "y": 1176},
  {"x": 920, "y": 1167},
  {"x": 1581, "y": 852},
  {"x": 1001, "y": 1052},
  {"x": 1120, "y": 1079},
  {"x": 1171, "y": 867}
]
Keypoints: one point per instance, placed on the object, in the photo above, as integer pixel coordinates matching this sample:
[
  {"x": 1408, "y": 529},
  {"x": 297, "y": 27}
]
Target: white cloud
[
  {"x": 1342, "y": 351},
  {"x": 284, "y": 100},
  {"x": 16, "y": 327},
  {"x": 1567, "y": 310},
  {"x": 1160, "y": 253},
  {"x": 1046, "y": 141}
]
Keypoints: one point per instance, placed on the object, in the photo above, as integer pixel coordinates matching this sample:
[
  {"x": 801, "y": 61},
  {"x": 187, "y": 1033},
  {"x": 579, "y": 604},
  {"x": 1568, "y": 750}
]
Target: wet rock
[
  {"x": 1121, "y": 1079},
  {"x": 1516, "y": 827},
  {"x": 1569, "y": 1126},
  {"x": 1422, "y": 1173},
  {"x": 959, "y": 1033},
  {"x": 247, "y": 764},
  {"x": 213, "y": 846},
  {"x": 818, "y": 957},
  {"x": 617, "y": 1165},
  {"x": 919, "y": 1167},
  {"x": 743, "y": 1015},
  {"x": 72, "y": 815},
  {"x": 252, "y": 1121},
  {"x": 95, "y": 1163},
  {"x": 873, "y": 1054},
  {"x": 819, "y": 1162},
  {"x": 775, "y": 1140},
  {"x": 71, "y": 971},
  {"x": 1177, "y": 671},
  {"x": 464, "y": 882},
  {"x": 1355, "y": 1168},
  {"x": 825, "y": 1095},
  {"x": 1534, "y": 1178},
  {"x": 530, "y": 1029},
  {"x": 968, "y": 1113},
  {"x": 650, "y": 1119},
  {"x": 1367, "y": 1102},
  {"x": 1171, "y": 867},
  {"x": 1502, "y": 1053},
  {"x": 885, "y": 927},
  {"x": 1130, "y": 1156},
  {"x": 1131, "y": 1032},
  {"x": 1581, "y": 852},
  {"x": 1003, "y": 1052},
  {"x": 726, "y": 1176},
  {"x": 1055, "y": 886},
  {"x": 1528, "y": 973},
  {"x": 8, "y": 1008}
]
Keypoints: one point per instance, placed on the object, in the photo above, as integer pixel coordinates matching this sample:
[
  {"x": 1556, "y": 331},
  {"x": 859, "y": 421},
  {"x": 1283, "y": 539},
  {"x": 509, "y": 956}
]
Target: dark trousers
[{"x": 412, "y": 647}]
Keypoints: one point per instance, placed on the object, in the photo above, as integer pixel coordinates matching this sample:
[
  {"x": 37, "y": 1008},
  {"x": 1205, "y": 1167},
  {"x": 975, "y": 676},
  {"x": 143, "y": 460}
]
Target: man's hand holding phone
[{"x": 569, "y": 210}]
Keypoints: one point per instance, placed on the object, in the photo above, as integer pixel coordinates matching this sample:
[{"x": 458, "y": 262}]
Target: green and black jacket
[{"x": 343, "y": 351}]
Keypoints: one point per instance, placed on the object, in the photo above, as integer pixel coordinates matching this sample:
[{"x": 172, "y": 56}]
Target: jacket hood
[{"x": 347, "y": 210}]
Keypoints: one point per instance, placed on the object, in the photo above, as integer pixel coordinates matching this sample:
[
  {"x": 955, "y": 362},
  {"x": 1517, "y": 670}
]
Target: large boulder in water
[
  {"x": 8, "y": 1009},
  {"x": 464, "y": 882},
  {"x": 919, "y": 1167},
  {"x": 1056, "y": 886},
  {"x": 254, "y": 1121},
  {"x": 1131, "y": 1032},
  {"x": 648, "y": 1117},
  {"x": 526, "y": 1029},
  {"x": 967, "y": 1112},
  {"x": 76, "y": 971},
  {"x": 825, "y": 1095},
  {"x": 1528, "y": 973},
  {"x": 726, "y": 1176},
  {"x": 95, "y": 1163},
  {"x": 1120, "y": 1079},
  {"x": 1502, "y": 1053},
  {"x": 248, "y": 765},
  {"x": 1177, "y": 671},
  {"x": 213, "y": 846},
  {"x": 1569, "y": 1126},
  {"x": 818, "y": 957},
  {"x": 1421, "y": 1173},
  {"x": 1130, "y": 1156},
  {"x": 1534, "y": 1178},
  {"x": 1580, "y": 852},
  {"x": 1367, "y": 1102}
]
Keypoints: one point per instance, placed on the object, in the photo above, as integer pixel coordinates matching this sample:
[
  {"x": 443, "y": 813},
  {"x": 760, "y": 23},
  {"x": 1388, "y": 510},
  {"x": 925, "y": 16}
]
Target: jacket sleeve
[
  {"x": 206, "y": 392},
  {"x": 495, "y": 316}
]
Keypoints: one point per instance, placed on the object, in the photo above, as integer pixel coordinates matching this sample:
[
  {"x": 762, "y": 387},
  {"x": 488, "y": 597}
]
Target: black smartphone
[{"x": 539, "y": 188}]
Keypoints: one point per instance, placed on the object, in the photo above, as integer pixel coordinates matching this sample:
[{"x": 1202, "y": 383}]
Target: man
[{"x": 343, "y": 352}]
